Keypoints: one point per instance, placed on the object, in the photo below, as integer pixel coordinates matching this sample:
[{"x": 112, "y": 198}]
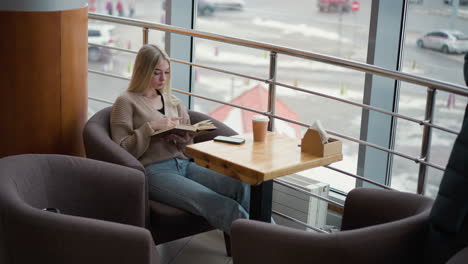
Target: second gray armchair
[
  {"x": 101, "y": 212},
  {"x": 378, "y": 226},
  {"x": 166, "y": 222}
]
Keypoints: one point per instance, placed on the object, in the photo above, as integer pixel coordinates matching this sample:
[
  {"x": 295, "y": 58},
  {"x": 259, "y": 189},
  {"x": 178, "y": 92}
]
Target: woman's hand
[
  {"x": 165, "y": 122},
  {"x": 184, "y": 138}
]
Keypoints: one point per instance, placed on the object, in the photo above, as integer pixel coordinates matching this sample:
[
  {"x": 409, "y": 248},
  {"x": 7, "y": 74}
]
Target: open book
[{"x": 200, "y": 127}]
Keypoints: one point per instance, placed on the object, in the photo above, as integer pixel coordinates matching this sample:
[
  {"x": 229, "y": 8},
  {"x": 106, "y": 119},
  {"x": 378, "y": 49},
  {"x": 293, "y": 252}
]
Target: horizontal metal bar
[
  {"x": 426, "y": 123},
  {"x": 299, "y": 222},
  {"x": 424, "y": 81},
  {"x": 279, "y": 181},
  {"x": 417, "y": 160},
  {"x": 299, "y": 189},
  {"x": 317, "y": 57},
  {"x": 293, "y": 185},
  {"x": 109, "y": 74},
  {"x": 418, "y": 121},
  {"x": 100, "y": 100},
  {"x": 221, "y": 102},
  {"x": 348, "y": 102},
  {"x": 359, "y": 177},
  {"x": 112, "y": 48},
  {"x": 220, "y": 70},
  {"x": 338, "y": 192},
  {"x": 187, "y": 93}
]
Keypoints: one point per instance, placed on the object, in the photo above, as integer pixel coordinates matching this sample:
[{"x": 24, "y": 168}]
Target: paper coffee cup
[{"x": 259, "y": 127}]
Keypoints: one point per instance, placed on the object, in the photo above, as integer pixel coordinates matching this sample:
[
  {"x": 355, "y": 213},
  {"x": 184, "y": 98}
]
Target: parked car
[
  {"x": 461, "y": 2},
  {"x": 205, "y": 8},
  {"x": 226, "y": 4},
  {"x": 208, "y": 7},
  {"x": 447, "y": 41},
  {"x": 99, "y": 34},
  {"x": 334, "y": 5}
]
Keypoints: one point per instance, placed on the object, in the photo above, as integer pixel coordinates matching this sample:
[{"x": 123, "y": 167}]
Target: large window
[
  {"x": 433, "y": 48},
  {"x": 302, "y": 25},
  {"x": 337, "y": 31}
]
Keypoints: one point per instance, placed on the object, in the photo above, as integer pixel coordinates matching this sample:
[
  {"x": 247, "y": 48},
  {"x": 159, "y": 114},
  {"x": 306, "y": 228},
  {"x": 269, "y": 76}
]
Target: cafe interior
[{"x": 70, "y": 194}]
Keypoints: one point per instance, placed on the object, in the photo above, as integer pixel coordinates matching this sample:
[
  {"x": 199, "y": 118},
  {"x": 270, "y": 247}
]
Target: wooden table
[{"x": 257, "y": 163}]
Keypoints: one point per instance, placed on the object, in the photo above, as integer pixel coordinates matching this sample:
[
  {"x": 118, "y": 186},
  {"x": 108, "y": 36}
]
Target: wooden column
[{"x": 43, "y": 81}]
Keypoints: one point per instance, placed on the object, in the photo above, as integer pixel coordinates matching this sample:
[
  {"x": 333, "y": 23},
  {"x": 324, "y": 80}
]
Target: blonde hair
[{"x": 149, "y": 56}]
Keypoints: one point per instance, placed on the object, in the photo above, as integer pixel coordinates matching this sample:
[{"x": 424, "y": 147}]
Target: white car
[
  {"x": 227, "y": 4},
  {"x": 99, "y": 34},
  {"x": 208, "y": 7},
  {"x": 447, "y": 41},
  {"x": 460, "y": 2}
]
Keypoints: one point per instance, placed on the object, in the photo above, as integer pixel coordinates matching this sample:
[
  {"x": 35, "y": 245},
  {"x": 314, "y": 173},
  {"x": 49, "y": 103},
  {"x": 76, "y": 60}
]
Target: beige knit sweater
[{"x": 130, "y": 127}]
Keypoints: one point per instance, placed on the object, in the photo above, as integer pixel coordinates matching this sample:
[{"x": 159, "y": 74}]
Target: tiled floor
[{"x": 206, "y": 248}]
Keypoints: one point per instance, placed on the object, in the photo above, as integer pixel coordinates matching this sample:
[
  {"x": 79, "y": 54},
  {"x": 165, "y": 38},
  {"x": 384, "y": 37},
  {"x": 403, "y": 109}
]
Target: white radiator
[{"x": 300, "y": 206}]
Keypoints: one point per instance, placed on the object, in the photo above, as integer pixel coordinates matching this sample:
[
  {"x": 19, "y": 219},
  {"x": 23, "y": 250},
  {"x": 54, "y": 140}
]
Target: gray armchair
[
  {"x": 460, "y": 258},
  {"x": 379, "y": 226},
  {"x": 101, "y": 217},
  {"x": 166, "y": 223}
]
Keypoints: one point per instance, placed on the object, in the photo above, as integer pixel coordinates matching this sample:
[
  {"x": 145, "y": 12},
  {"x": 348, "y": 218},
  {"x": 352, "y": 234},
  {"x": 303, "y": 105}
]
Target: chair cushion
[{"x": 170, "y": 223}]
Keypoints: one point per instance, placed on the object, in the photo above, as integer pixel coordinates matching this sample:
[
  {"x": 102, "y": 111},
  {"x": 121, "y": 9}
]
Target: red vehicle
[{"x": 334, "y": 5}]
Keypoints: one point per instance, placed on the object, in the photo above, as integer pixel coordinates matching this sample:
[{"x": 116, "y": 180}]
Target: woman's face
[{"x": 160, "y": 75}]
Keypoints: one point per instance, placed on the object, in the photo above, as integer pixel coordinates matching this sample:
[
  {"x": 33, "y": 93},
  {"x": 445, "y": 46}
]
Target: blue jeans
[{"x": 181, "y": 183}]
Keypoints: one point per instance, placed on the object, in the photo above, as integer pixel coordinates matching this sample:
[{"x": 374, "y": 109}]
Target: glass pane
[
  {"x": 148, "y": 10},
  {"x": 116, "y": 62},
  {"x": 335, "y": 116},
  {"x": 405, "y": 174},
  {"x": 295, "y": 24},
  {"x": 300, "y": 25},
  {"x": 230, "y": 88},
  {"x": 436, "y": 58}
]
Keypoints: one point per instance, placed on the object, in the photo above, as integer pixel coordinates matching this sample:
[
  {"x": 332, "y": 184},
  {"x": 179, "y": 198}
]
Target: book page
[
  {"x": 205, "y": 125},
  {"x": 180, "y": 129}
]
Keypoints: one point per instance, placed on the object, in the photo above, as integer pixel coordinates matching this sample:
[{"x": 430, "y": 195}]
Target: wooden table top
[{"x": 256, "y": 162}]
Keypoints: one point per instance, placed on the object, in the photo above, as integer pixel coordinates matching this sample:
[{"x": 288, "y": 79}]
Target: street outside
[{"x": 299, "y": 25}]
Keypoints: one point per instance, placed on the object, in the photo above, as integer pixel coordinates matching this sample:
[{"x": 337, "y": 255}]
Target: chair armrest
[
  {"x": 460, "y": 258},
  {"x": 369, "y": 206},
  {"x": 396, "y": 242},
  {"x": 99, "y": 146},
  {"x": 45, "y": 237},
  {"x": 95, "y": 189},
  {"x": 255, "y": 242}
]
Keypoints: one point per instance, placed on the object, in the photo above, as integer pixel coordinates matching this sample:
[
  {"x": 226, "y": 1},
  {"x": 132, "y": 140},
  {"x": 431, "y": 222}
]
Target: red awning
[{"x": 256, "y": 98}]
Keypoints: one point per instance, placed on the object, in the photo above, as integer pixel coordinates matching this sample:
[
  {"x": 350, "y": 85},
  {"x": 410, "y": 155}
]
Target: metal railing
[{"x": 431, "y": 84}]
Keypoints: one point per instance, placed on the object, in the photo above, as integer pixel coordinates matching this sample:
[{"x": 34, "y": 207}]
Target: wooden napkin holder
[{"x": 311, "y": 143}]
